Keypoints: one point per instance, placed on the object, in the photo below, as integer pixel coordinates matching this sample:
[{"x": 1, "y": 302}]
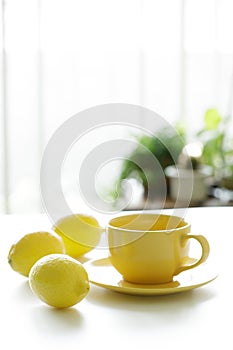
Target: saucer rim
[{"x": 151, "y": 290}]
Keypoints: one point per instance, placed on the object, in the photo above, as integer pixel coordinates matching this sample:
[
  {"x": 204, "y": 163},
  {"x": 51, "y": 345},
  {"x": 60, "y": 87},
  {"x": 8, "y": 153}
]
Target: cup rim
[{"x": 168, "y": 230}]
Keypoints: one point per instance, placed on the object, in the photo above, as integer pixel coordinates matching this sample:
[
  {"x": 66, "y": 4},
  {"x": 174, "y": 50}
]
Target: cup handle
[{"x": 205, "y": 252}]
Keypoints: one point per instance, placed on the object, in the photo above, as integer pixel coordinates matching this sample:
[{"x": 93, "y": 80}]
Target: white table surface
[{"x": 197, "y": 319}]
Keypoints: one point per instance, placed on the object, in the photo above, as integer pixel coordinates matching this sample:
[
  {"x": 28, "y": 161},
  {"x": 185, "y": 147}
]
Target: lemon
[
  {"x": 59, "y": 280},
  {"x": 31, "y": 247},
  {"x": 80, "y": 233}
]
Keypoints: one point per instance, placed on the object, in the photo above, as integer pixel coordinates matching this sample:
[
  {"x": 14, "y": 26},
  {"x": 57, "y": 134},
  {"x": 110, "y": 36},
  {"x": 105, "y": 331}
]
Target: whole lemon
[
  {"x": 80, "y": 233},
  {"x": 59, "y": 280},
  {"x": 31, "y": 247}
]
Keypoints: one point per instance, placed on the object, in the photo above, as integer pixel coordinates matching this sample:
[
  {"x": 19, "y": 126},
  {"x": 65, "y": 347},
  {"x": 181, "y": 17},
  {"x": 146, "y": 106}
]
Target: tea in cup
[{"x": 152, "y": 248}]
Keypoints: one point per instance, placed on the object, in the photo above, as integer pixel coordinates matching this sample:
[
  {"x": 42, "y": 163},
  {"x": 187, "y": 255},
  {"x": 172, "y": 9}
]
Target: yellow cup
[{"x": 151, "y": 248}]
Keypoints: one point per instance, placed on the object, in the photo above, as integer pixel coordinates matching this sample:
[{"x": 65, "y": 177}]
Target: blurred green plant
[
  {"x": 217, "y": 153},
  {"x": 217, "y": 144},
  {"x": 139, "y": 165}
]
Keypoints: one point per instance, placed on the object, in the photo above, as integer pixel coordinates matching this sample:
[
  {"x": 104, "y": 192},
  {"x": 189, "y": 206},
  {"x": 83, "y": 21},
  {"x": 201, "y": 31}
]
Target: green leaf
[{"x": 212, "y": 119}]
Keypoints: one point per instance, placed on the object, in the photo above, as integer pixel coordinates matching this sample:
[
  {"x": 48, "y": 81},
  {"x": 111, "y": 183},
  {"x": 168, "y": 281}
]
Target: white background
[{"x": 60, "y": 57}]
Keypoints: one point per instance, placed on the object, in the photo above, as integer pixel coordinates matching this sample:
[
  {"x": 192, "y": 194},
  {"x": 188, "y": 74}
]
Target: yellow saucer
[{"x": 103, "y": 274}]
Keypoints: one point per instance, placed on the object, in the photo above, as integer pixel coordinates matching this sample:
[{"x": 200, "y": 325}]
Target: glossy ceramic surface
[
  {"x": 150, "y": 248},
  {"x": 103, "y": 274}
]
